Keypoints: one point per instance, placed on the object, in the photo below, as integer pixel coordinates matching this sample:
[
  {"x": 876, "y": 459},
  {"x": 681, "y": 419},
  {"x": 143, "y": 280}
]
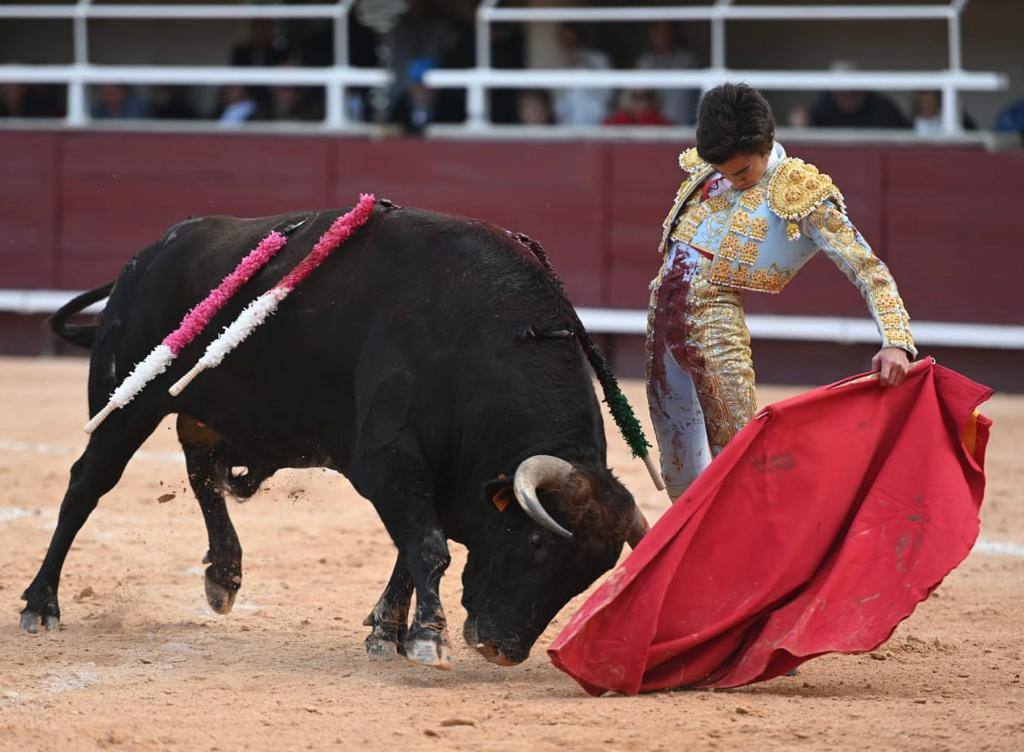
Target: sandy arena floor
[{"x": 141, "y": 662}]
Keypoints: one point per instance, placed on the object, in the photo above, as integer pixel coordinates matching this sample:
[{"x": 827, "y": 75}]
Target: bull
[{"x": 434, "y": 361}]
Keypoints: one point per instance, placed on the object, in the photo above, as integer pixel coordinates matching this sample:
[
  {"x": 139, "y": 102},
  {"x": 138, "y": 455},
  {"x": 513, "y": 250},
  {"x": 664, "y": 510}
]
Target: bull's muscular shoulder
[{"x": 796, "y": 188}]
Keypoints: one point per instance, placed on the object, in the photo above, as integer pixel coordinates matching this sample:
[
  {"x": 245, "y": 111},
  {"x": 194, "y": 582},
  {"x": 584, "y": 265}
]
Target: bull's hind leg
[
  {"x": 94, "y": 474},
  {"x": 224, "y": 555},
  {"x": 390, "y": 617}
]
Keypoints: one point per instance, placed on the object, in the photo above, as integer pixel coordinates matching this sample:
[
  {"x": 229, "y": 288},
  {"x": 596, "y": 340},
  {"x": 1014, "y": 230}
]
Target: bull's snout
[
  {"x": 500, "y": 653},
  {"x": 494, "y": 655}
]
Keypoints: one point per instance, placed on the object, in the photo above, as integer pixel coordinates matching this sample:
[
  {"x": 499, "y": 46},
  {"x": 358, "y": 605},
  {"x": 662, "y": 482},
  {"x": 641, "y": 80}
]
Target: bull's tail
[{"x": 78, "y": 334}]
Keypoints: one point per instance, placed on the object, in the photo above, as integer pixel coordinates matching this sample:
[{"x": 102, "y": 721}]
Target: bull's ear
[{"x": 499, "y": 493}]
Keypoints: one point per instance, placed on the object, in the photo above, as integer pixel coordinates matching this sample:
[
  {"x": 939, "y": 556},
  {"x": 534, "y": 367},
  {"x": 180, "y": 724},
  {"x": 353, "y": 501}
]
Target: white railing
[
  {"x": 479, "y": 80},
  {"x": 82, "y": 73},
  {"x": 950, "y": 82},
  {"x": 634, "y": 322}
]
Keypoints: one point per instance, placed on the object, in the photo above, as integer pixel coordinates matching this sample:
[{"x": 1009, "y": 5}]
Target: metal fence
[{"x": 482, "y": 78}]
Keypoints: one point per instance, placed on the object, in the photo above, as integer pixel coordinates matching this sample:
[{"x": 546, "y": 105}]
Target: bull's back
[{"x": 438, "y": 297}]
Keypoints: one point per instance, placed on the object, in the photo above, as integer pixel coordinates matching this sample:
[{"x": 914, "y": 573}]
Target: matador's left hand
[{"x": 892, "y": 364}]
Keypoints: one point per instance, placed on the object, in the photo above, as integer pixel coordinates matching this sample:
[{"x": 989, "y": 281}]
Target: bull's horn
[
  {"x": 638, "y": 527},
  {"x": 540, "y": 471}
]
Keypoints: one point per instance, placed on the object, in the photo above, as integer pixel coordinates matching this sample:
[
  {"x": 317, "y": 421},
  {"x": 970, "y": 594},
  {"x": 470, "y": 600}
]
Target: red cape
[{"x": 818, "y": 529}]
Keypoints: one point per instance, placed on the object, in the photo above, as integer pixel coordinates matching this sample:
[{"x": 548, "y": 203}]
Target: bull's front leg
[
  {"x": 390, "y": 617},
  {"x": 422, "y": 544},
  {"x": 427, "y": 641},
  {"x": 390, "y": 469},
  {"x": 400, "y": 484}
]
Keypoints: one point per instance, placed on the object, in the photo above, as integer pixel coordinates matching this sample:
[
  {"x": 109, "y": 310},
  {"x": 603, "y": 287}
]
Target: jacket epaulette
[
  {"x": 797, "y": 188},
  {"x": 691, "y": 162}
]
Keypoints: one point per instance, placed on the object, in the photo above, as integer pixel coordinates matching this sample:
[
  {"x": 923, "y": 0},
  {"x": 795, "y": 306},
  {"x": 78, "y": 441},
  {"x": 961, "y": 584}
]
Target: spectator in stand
[
  {"x": 1011, "y": 119},
  {"x": 583, "y": 106},
  {"x": 928, "y": 115},
  {"x": 678, "y": 105},
  {"x": 638, "y": 107},
  {"x": 264, "y": 48},
  {"x": 534, "y": 107},
  {"x": 415, "y": 108},
  {"x": 317, "y": 49},
  {"x": 118, "y": 102},
  {"x": 238, "y": 105},
  {"x": 420, "y": 41},
  {"x": 18, "y": 100},
  {"x": 508, "y": 50},
  {"x": 855, "y": 109},
  {"x": 295, "y": 102},
  {"x": 170, "y": 103},
  {"x": 799, "y": 117}
]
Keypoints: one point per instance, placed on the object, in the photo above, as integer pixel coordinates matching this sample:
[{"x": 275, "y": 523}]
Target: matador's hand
[{"x": 892, "y": 364}]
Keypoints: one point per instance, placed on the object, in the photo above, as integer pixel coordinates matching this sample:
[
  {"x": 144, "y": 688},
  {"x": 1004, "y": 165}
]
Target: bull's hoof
[
  {"x": 387, "y": 639},
  {"x": 220, "y": 598},
  {"x": 494, "y": 655},
  {"x": 379, "y": 649},
  {"x": 42, "y": 610},
  {"x": 31, "y": 622},
  {"x": 430, "y": 648}
]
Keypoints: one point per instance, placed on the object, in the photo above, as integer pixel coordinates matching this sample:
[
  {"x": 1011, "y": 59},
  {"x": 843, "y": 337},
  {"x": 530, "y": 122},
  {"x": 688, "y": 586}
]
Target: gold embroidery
[
  {"x": 759, "y": 228},
  {"x": 847, "y": 237},
  {"x": 716, "y": 354},
  {"x": 833, "y": 220},
  {"x": 690, "y": 161},
  {"x": 685, "y": 232},
  {"x": 792, "y": 230},
  {"x": 740, "y": 223},
  {"x": 870, "y": 275},
  {"x": 796, "y": 188},
  {"x": 717, "y": 203},
  {"x": 687, "y": 196},
  {"x": 722, "y": 372},
  {"x": 770, "y": 280},
  {"x": 748, "y": 252},
  {"x": 761, "y": 278},
  {"x": 730, "y": 248},
  {"x": 752, "y": 198}
]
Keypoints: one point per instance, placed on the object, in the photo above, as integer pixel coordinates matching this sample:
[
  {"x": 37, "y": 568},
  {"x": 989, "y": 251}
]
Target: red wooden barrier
[{"x": 74, "y": 206}]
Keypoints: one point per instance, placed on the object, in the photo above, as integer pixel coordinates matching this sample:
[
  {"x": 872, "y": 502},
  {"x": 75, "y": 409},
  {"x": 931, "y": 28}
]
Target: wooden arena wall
[{"x": 75, "y": 205}]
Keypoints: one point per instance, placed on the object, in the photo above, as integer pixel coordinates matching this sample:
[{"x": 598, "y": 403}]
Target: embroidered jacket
[{"x": 762, "y": 236}]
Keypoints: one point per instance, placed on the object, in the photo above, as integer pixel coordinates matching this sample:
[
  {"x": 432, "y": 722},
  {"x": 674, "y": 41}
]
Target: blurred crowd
[{"x": 423, "y": 38}]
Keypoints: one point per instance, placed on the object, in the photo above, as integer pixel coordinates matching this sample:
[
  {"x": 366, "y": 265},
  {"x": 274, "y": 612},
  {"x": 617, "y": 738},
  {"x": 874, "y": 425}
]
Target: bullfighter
[{"x": 747, "y": 217}]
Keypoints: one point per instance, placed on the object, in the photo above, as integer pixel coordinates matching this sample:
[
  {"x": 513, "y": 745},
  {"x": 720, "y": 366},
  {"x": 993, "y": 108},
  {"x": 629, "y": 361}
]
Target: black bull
[{"x": 432, "y": 360}]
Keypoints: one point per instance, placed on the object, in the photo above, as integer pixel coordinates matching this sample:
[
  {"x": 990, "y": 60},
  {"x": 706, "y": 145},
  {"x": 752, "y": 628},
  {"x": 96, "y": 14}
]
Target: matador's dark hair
[
  {"x": 621, "y": 410},
  {"x": 733, "y": 119}
]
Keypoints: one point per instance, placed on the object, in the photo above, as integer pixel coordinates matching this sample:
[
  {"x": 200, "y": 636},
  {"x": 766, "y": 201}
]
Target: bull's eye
[{"x": 536, "y": 540}]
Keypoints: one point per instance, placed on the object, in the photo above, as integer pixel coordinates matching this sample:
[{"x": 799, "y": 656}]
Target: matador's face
[{"x": 744, "y": 170}]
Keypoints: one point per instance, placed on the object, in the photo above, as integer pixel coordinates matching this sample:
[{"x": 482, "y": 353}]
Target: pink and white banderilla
[
  {"x": 259, "y": 309},
  {"x": 161, "y": 357}
]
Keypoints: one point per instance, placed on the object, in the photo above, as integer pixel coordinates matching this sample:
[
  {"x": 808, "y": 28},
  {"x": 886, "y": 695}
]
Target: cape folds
[{"x": 818, "y": 529}]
